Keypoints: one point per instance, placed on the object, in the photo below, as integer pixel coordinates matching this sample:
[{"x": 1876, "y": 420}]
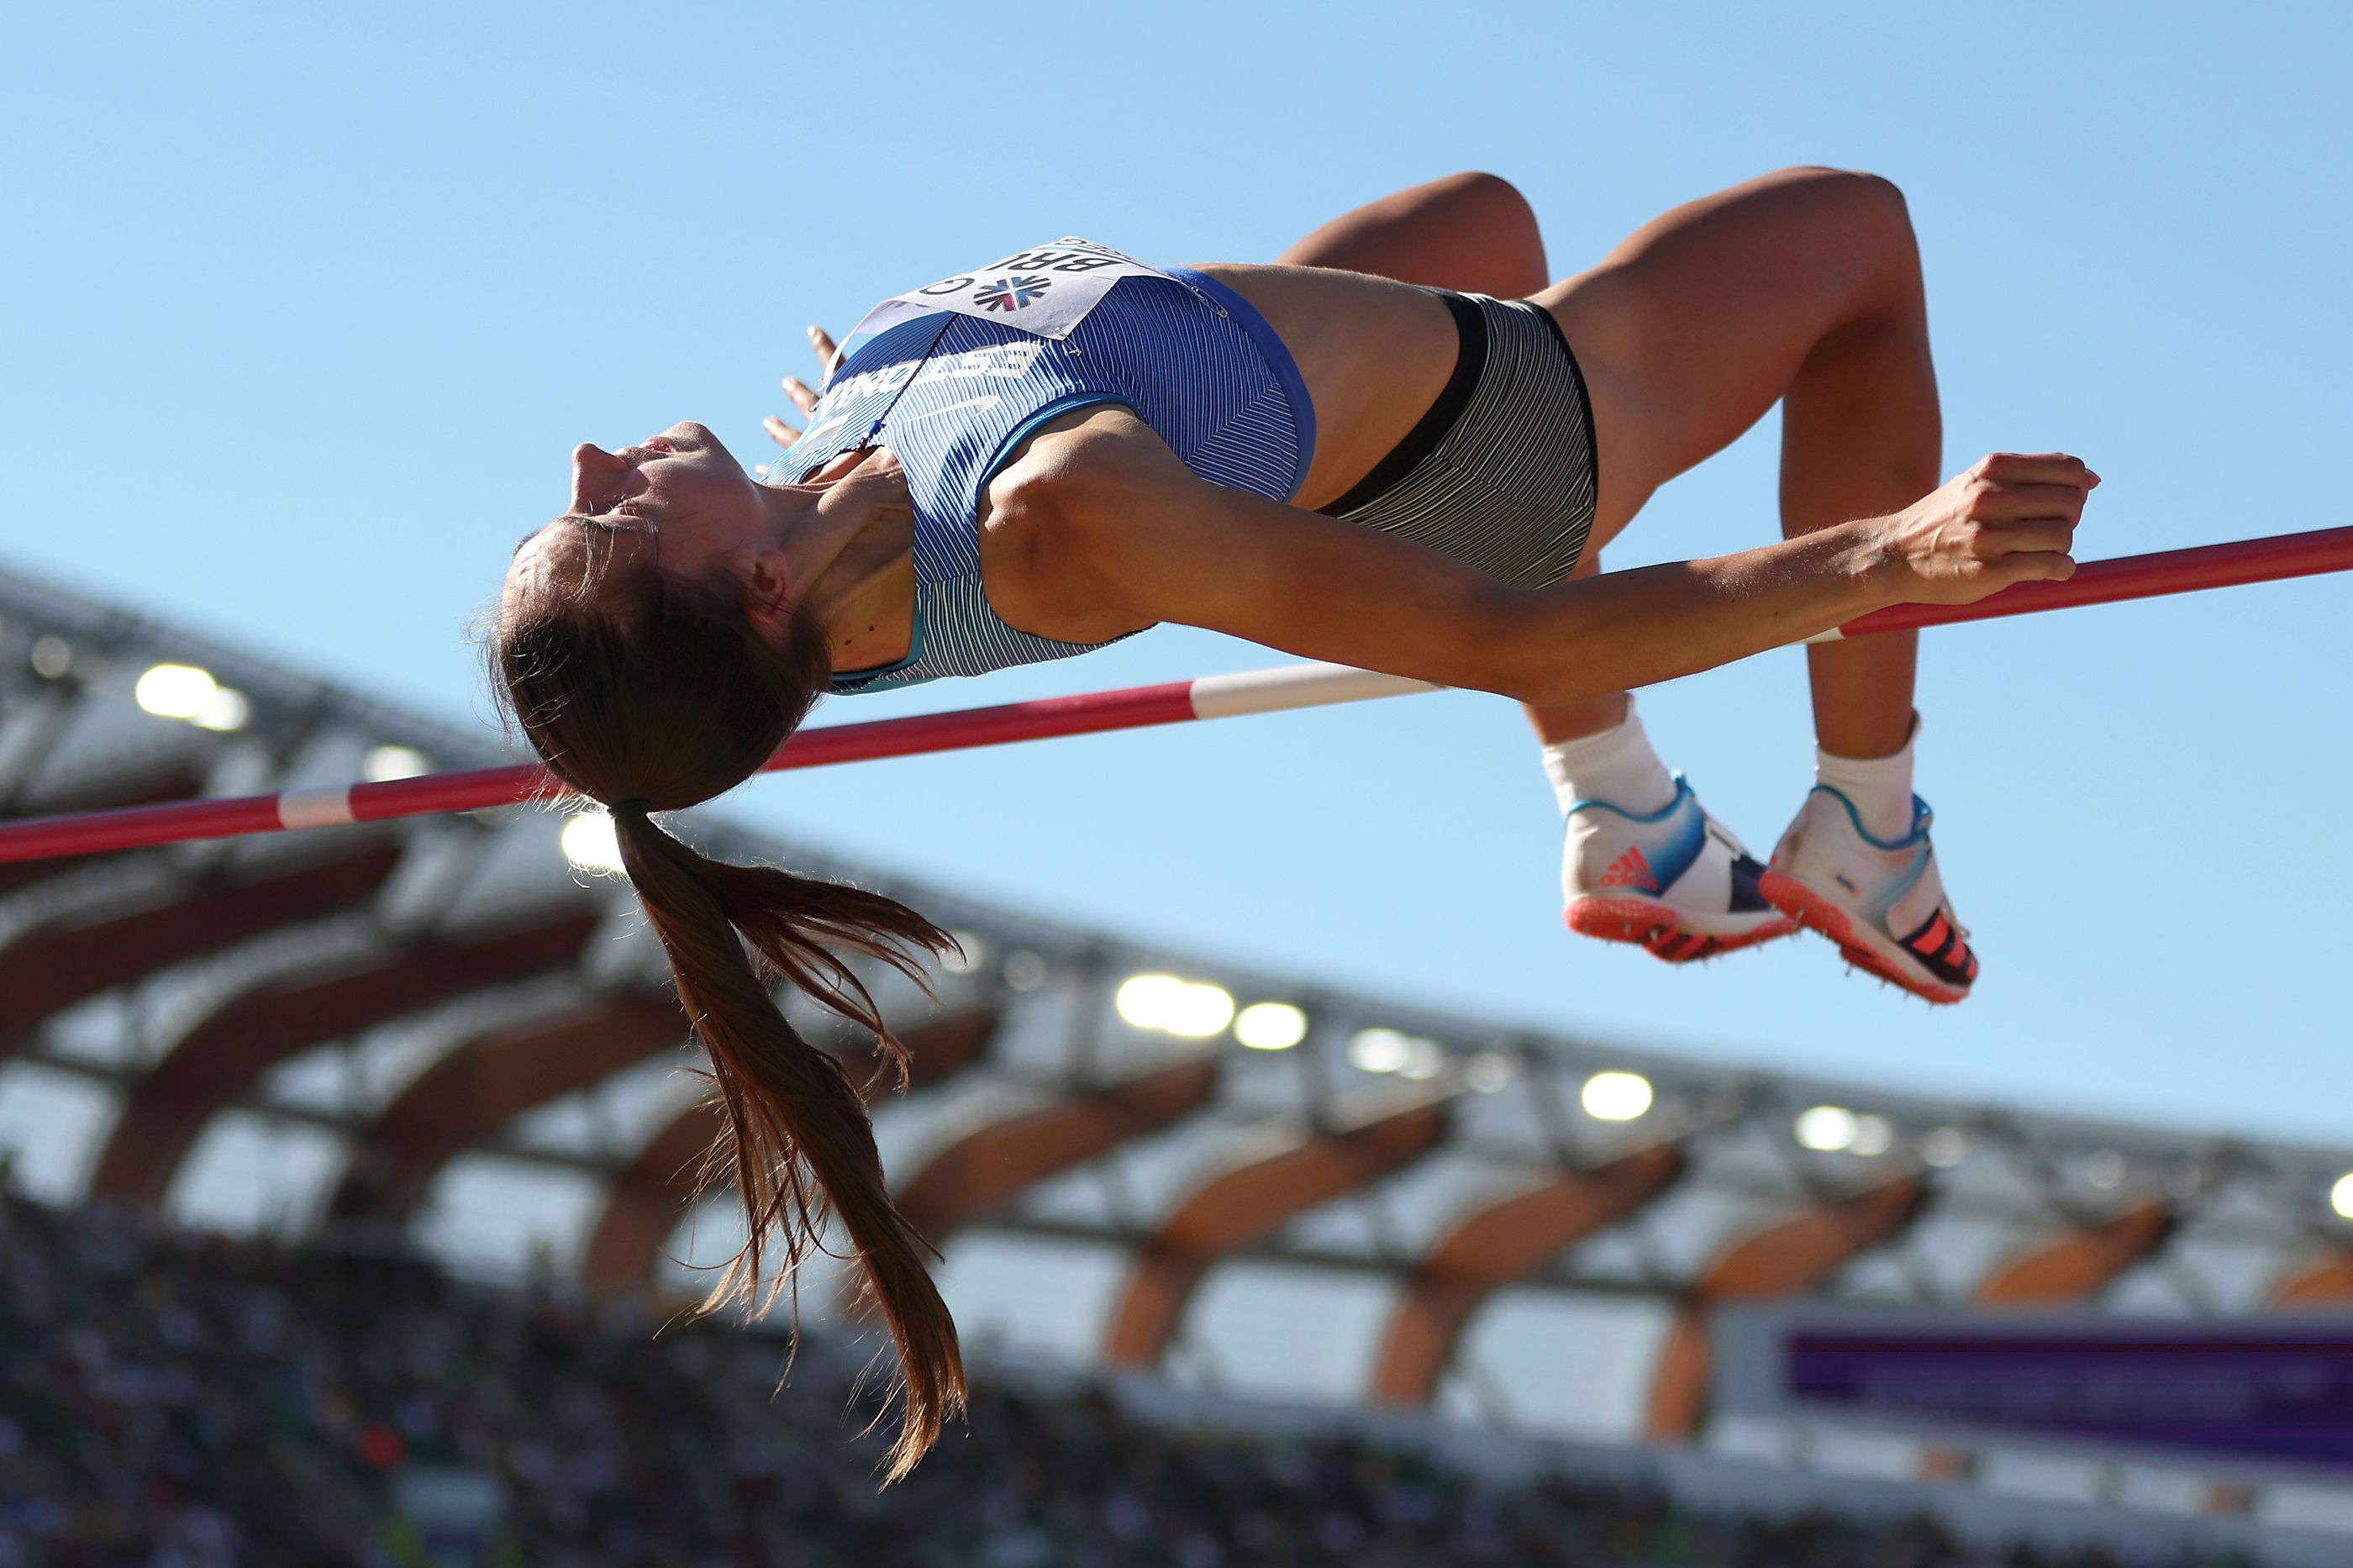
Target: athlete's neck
[
  {"x": 870, "y": 621},
  {"x": 850, "y": 546}
]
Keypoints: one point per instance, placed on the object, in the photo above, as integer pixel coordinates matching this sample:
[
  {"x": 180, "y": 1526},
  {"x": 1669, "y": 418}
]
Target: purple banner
[{"x": 2273, "y": 1394}]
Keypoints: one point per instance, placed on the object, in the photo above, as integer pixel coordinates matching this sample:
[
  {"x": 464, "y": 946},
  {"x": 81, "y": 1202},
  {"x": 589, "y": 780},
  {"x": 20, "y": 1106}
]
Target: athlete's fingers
[
  {"x": 798, "y": 391},
  {"x": 782, "y": 434},
  {"x": 2035, "y": 468},
  {"x": 2039, "y": 566},
  {"x": 822, "y": 342},
  {"x": 2026, "y": 536},
  {"x": 2006, "y": 501}
]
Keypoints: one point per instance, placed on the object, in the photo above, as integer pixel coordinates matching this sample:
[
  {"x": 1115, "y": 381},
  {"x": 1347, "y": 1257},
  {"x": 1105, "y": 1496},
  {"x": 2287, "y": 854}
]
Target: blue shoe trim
[
  {"x": 1683, "y": 794},
  {"x": 1921, "y": 818}
]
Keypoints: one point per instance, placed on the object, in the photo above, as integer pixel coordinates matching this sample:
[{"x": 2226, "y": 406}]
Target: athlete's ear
[{"x": 768, "y": 591}]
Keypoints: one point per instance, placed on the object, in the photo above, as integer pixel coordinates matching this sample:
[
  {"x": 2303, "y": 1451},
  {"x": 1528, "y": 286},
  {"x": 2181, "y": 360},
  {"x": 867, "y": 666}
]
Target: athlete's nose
[{"x": 593, "y": 472}]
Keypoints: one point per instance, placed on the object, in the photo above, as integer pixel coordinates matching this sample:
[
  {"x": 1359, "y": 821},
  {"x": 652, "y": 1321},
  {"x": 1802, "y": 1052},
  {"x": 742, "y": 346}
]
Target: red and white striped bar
[{"x": 1094, "y": 712}]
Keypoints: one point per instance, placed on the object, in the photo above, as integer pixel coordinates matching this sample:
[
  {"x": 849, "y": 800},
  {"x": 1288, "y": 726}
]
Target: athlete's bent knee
[{"x": 1496, "y": 198}]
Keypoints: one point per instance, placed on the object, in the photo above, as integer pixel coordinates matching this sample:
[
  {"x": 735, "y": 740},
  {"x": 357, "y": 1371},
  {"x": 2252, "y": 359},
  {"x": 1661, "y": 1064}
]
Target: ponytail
[
  {"x": 653, "y": 694},
  {"x": 791, "y": 1111}
]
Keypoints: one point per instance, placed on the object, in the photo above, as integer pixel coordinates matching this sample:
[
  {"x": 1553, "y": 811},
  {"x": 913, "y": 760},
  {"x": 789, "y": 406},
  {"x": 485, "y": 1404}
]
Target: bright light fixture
[
  {"x": 386, "y": 762},
  {"x": 1271, "y": 1025},
  {"x": 1828, "y": 1128},
  {"x": 1943, "y": 1147},
  {"x": 52, "y": 656},
  {"x": 1616, "y": 1096},
  {"x": 1380, "y": 1050},
  {"x": 2104, "y": 1168},
  {"x": 176, "y": 690},
  {"x": 1024, "y": 970},
  {"x": 228, "y": 710},
  {"x": 591, "y": 843},
  {"x": 2340, "y": 1196},
  {"x": 1192, "y": 1009},
  {"x": 1424, "y": 1059},
  {"x": 1873, "y": 1135}
]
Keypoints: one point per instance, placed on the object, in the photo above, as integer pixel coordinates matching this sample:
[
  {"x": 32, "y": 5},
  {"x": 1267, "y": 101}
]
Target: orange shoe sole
[
  {"x": 1655, "y": 929},
  {"x": 1817, "y": 913}
]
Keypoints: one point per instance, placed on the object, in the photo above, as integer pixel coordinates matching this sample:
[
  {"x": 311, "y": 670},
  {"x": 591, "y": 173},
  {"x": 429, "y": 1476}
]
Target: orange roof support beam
[
  {"x": 647, "y": 1198},
  {"x": 2078, "y": 1264},
  {"x": 1242, "y": 1205},
  {"x": 1783, "y": 1259},
  {"x": 282, "y": 1017},
  {"x": 649, "y": 1193},
  {"x": 67, "y": 960},
  {"x": 486, "y": 1082},
  {"x": 2325, "y": 1281},
  {"x": 1496, "y": 1244},
  {"x": 985, "y": 1169}
]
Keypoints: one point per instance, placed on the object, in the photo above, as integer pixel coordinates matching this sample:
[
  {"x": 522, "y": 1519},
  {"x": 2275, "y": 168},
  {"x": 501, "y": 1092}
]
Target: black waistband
[{"x": 1471, "y": 326}]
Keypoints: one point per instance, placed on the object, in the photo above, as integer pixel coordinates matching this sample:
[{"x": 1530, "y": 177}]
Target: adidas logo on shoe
[{"x": 1630, "y": 870}]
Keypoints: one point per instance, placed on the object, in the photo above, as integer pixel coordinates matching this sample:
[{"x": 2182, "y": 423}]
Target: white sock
[
  {"x": 1880, "y": 787},
  {"x": 1616, "y": 765}
]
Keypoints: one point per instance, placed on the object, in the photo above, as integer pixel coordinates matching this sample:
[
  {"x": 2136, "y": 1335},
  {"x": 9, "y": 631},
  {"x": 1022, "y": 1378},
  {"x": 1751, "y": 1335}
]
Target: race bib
[{"x": 1047, "y": 289}]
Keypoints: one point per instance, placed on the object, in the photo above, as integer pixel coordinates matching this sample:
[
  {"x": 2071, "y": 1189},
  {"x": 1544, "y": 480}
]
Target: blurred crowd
[{"x": 172, "y": 1400}]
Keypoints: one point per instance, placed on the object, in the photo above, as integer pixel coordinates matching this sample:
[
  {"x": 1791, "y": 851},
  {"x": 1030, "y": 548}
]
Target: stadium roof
[{"x": 447, "y": 1027}]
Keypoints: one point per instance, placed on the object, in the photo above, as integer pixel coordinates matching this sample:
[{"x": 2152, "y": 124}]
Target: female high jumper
[{"x": 1336, "y": 456}]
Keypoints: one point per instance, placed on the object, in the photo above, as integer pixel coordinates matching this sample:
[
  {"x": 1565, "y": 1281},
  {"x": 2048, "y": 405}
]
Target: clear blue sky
[{"x": 306, "y": 305}]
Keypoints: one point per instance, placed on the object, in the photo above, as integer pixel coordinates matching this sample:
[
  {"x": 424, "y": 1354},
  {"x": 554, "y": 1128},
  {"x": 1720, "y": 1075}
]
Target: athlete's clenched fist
[{"x": 2009, "y": 517}]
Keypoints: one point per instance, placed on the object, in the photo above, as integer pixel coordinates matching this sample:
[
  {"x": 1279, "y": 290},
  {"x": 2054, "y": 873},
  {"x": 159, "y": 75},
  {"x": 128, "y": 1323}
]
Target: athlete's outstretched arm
[{"x": 1100, "y": 513}]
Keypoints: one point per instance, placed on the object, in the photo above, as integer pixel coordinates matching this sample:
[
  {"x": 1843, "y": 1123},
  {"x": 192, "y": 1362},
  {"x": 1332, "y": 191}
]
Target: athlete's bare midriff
[{"x": 1374, "y": 355}]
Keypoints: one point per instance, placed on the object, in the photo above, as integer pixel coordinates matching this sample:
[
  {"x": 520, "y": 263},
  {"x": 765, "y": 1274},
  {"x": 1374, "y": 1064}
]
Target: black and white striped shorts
[{"x": 1499, "y": 473}]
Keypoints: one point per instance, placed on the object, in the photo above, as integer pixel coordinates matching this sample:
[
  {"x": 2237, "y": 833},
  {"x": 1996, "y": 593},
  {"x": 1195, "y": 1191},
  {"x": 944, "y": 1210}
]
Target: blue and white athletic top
[{"x": 954, "y": 376}]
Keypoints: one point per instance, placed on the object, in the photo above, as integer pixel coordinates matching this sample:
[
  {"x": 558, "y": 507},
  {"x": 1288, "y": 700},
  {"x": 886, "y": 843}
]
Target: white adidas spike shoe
[
  {"x": 1675, "y": 881},
  {"x": 1880, "y": 899}
]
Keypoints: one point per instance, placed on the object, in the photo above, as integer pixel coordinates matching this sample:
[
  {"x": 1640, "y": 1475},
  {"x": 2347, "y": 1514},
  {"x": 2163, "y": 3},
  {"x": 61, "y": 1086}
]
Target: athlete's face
[{"x": 679, "y": 500}]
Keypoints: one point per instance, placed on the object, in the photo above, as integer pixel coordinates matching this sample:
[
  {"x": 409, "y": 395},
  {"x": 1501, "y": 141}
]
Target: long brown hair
[{"x": 650, "y": 693}]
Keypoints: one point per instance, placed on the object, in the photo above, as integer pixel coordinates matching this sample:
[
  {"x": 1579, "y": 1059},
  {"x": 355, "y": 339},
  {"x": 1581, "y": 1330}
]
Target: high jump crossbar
[{"x": 1172, "y": 702}]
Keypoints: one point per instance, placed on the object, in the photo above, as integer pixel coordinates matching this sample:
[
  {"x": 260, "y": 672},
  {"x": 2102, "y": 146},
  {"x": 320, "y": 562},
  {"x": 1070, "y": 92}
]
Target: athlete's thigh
[{"x": 1695, "y": 324}]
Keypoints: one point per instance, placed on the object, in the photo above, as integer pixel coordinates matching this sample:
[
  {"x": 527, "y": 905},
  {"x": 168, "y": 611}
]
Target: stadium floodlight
[
  {"x": 2104, "y": 1168},
  {"x": 1380, "y": 1051},
  {"x": 1489, "y": 1072},
  {"x": 1828, "y": 1129},
  {"x": 1873, "y": 1135},
  {"x": 1943, "y": 1147},
  {"x": 52, "y": 655},
  {"x": 226, "y": 711},
  {"x": 1271, "y": 1025},
  {"x": 176, "y": 690},
  {"x": 1616, "y": 1096},
  {"x": 1424, "y": 1059},
  {"x": 1024, "y": 970},
  {"x": 2340, "y": 1196},
  {"x": 386, "y": 762},
  {"x": 1193, "y": 1010},
  {"x": 590, "y": 843}
]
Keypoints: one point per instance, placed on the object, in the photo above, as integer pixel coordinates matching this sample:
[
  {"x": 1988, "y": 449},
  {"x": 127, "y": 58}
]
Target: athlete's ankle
[
  {"x": 1879, "y": 788},
  {"x": 1616, "y": 765}
]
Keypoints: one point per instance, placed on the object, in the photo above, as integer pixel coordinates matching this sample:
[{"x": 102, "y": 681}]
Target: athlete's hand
[
  {"x": 803, "y": 395},
  {"x": 2009, "y": 517}
]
